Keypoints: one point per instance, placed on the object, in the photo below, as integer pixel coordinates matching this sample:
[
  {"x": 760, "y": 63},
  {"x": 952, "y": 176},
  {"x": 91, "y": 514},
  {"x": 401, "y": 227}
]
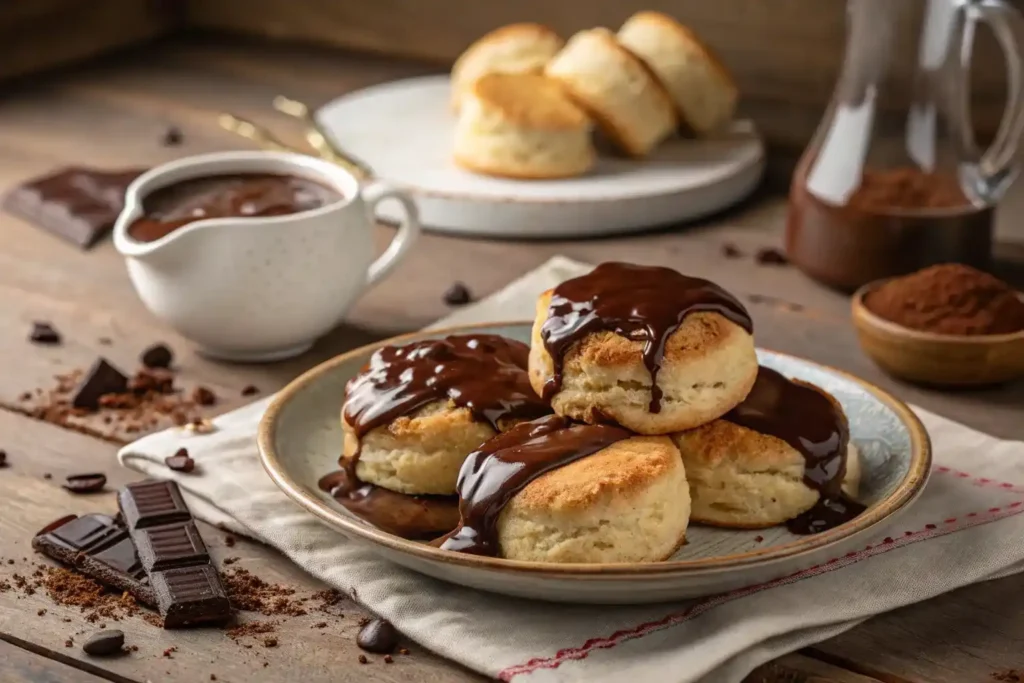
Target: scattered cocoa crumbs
[
  {"x": 388, "y": 659},
  {"x": 403, "y": 651},
  {"x": 25, "y": 396},
  {"x": 771, "y": 257},
  {"x": 134, "y": 648},
  {"x": 328, "y": 598},
  {"x": 153, "y": 619},
  {"x": 320, "y": 624},
  {"x": 11, "y": 561},
  {"x": 730, "y": 250},
  {"x": 41, "y": 613},
  {"x": 758, "y": 539},
  {"x": 229, "y": 541},
  {"x": 47, "y": 475},
  {"x": 363, "y": 659},
  {"x": 203, "y": 396},
  {"x": 5, "y": 586},
  {"x": 252, "y": 628},
  {"x": 1008, "y": 676},
  {"x": 228, "y": 561},
  {"x": 69, "y": 643},
  {"x": 213, "y": 677},
  {"x": 250, "y": 593},
  {"x": 170, "y": 651},
  {"x": 270, "y": 642},
  {"x": 3, "y": 458},
  {"x": 250, "y": 390}
]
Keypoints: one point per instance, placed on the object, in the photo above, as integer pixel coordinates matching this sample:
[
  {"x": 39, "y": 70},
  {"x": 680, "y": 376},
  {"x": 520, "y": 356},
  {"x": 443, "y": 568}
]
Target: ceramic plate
[
  {"x": 403, "y": 130},
  {"x": 300, "y": 439}
]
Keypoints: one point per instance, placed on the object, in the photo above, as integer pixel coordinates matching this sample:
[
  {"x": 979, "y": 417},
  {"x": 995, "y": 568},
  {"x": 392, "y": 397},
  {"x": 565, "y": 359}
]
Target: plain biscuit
[
  {"x": 616, "y": 89},
  {"x": 522, "y": 126},
  {"x": 517, "y": 48},
  {"x": 701, "y": 88},
  {"x": 743, "y": 479},
  {"x": 419, "y": 453},
  {"x": 709, "y": 366},
  {"x": 626, "y": 503}
]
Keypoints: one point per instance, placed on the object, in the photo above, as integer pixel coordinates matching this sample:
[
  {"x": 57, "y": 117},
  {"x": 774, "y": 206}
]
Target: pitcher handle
[
  {"x": 995, "y": 170},
  {"x": 408, "y": 229}
]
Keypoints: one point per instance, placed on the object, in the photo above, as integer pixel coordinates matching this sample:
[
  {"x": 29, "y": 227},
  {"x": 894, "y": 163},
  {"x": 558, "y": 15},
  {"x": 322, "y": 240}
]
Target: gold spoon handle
[
  {"x": 320, "y": 139},
  {"x": 250, "y": 131}
]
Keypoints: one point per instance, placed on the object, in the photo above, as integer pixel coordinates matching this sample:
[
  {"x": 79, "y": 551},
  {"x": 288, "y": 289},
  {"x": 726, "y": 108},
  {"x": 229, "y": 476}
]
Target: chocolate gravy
[
  {"x": 814, "y": 425},
  {"x": 504, "y": 465},
  {"x": 248, "y": 195},
  {"x": 641, "y": 303}
]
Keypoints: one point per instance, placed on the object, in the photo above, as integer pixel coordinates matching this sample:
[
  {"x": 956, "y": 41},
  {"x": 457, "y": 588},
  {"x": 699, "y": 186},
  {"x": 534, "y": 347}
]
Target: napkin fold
[{"x": 965, "y": 528}]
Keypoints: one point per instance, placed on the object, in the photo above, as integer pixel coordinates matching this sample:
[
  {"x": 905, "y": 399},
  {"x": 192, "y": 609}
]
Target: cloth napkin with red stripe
[{"x": 966, "y": 527}]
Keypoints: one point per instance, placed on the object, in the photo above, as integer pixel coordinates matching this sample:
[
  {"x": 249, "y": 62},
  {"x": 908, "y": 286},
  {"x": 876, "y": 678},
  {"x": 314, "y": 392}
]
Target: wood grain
[
  {"x": 22, "y": 666},
  {"x": 799, "y": 668}
]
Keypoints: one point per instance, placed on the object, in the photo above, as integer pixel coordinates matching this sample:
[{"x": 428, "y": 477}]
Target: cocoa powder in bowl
[{"x": 949, "y": 299}]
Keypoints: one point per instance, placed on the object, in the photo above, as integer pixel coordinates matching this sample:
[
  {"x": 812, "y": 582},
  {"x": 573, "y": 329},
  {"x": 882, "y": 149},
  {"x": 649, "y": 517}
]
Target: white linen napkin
[{"x": 965, "y": 528}]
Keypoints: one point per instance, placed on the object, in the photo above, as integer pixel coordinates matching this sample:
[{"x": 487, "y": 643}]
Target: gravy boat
[{"x": 261, "y": 288}]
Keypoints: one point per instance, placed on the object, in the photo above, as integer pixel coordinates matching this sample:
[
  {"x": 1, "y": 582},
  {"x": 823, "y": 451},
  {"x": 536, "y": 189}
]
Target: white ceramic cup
[{"x": 261, "y": 289}]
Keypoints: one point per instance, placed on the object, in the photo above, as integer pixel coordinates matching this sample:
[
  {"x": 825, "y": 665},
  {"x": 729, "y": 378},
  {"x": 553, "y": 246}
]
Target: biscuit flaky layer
[
  {"x": 709, "y": 366},
  {"x": 419, "y": 453},
  {"x": 627, "y": 503},
  {"x": 743, "y": 479}
]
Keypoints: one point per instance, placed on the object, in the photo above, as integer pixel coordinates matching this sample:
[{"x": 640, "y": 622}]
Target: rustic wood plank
[
  {"x": 799, "y": 668},
  {"x": 21, "y": 666},
  {"x": 303, "y": 652}
]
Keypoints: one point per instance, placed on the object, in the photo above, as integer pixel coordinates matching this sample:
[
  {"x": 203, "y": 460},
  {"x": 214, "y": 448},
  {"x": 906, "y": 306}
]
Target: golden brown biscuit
[
  {"x": 626, "y": 503},
  {"x": 709, "y": 365}
]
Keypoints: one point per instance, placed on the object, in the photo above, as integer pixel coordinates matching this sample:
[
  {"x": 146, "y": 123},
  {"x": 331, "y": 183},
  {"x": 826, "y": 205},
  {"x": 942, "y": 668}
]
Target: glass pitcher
[{"x": 893, "y": 180}]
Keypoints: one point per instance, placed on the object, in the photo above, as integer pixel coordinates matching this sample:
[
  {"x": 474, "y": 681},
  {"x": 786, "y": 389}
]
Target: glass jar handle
[{"x": 992, "y": 174}]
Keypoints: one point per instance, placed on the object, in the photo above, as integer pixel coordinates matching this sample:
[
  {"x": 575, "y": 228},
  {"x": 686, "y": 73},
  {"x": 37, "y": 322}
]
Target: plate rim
[
  {"x": 909, "y": 489},
  {"x": 755, "y": 166}
]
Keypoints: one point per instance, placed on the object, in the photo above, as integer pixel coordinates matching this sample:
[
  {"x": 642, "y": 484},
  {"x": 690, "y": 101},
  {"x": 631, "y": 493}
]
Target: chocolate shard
[
  {"x": 99, "y": 548},
  {"x": 77, "y": 204},
  {"x": 102, "y": 378},
  {"x": 186, "y": 586},
  {"x": 152, "y": 503}
]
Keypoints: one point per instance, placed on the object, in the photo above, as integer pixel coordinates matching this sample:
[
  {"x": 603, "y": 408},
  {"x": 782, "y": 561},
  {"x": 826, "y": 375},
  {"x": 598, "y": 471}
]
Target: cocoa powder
[
  {"x": 949, "y": 299},
  {"x": 907, "y": 188}
]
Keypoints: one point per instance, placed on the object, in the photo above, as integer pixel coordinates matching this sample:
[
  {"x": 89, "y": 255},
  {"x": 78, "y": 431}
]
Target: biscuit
[
  {"x": 701, "y": 88},
  {"x": 615, "y": 87},
  {"x": 626, "y": 503},
  {"x": 709, "y": 366},
  {"x": 420, "y": 453},
  {"x": 522, "y": 126},
  {"x": 743, "y": 479},
  {"x": 517, "y": 48}
]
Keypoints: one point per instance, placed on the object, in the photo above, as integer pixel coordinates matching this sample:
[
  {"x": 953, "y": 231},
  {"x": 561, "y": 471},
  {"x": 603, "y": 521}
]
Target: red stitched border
[{"x": 947, "y": 526}]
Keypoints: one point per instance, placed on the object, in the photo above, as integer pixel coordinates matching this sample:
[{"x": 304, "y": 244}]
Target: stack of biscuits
[
  {"x": 684, "y": 458},
  {"x": 527, "y": 101}
]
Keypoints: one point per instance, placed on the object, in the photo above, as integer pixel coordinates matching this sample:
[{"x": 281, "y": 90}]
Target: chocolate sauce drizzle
[
  {"x": 504, "y": 465},
  {"x": 814, "y": 425},
  {"x": 641, "y": 303}
]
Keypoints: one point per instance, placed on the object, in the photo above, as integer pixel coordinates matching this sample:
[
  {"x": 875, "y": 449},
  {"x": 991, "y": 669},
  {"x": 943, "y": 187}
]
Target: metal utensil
[
  {"x": 319, "y": 139},
  {"x": 250, "y": 131}
]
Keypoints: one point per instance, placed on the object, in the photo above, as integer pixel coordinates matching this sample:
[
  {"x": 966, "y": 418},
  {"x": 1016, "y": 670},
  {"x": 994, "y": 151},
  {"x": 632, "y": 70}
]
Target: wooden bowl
[{"x": 937, "y": 359}]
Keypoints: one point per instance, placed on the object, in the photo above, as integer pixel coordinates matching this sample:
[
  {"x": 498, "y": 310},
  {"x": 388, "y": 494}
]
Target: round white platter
[{"x": 403, "y": 130}]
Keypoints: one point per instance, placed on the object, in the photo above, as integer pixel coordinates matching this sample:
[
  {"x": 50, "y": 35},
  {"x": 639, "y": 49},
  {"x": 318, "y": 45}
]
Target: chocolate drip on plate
[
  {"x": 813, "y": 424},
  {"x": 641, "y": 303},
  {"x": 504, "y": 465}
]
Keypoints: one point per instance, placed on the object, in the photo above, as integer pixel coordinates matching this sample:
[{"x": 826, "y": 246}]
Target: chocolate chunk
[
  {"x": 730, "y": 250},
  {"x": 378, "y": 636},
  {"x": 104, "y": 643},
  {"x": 100, "y": 548},
  {"x": 102, "y": 378},
  {"x": 77, "y": 204},
  {"x": 85, "y": 483},
  {"x": 172, "y": 137},
  {"x": 43, "y": 333},
  {"x": 771, "y": 256},
  {"x": 3, "y": 458},
  {"x": 250, "y": 390},
  {"x": 157, "y": 356},
  {"x": 186, "y": 586},
  {"x": 180, "y": 461},
  {"x": 152, "y": 503},
  {"x": 457, "y": 295},
  {"x": 203, "y": 396}
]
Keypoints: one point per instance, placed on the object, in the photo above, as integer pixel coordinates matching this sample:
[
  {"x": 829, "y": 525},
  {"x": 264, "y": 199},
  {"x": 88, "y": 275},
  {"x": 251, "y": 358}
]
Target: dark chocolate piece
[
  {"x": 771, "y": 257},
  {"x": 85, "y": 483},
  {"x": 157, "y": 356},
  {"x": 250, "y": 390},
  {"x": 77, "y": 204},
  {"x": 102, "y": 378},
  {"x": 3, "y": 458},
  {"x": 44, "y": 333},
  {"x": 187, "y": 587},
  {"x": 104, "y": 643},
  {"x": 99, "y": 548},
  {"x": 203, "y": 396},
  {"x": 172, "y": 137},
  {"x": 152, "y": 503},
  {"x": 458, "y": 295},
  {"x": 180, "y": 461},
  {"x": 378, "y": 636}
]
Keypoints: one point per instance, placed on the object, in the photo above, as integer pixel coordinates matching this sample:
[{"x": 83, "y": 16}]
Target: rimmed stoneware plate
[
  {"x": 300, "y": 439},
  {"x": 404, "y": 130}
]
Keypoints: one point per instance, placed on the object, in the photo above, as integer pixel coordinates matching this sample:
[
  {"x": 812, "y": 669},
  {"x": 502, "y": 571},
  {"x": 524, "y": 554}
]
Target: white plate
[
  {"x": 300, "y": 438},
  {"x": 403, "y": 130}
]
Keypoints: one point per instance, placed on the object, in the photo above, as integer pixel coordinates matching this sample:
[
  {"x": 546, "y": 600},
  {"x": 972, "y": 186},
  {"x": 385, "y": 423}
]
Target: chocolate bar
[
  {"x": 186, "y": 586},
  {"x": 77, "y": 204},
  {"x": 100, "y": 548}
]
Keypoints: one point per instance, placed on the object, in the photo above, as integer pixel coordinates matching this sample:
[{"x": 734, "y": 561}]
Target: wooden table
[{"x": 114, "y": 113}]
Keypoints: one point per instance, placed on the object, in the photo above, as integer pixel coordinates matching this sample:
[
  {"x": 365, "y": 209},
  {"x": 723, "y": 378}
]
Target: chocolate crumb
[
  {"x": 213, "y": 677},
  {"x": 758, "y": 539},
  {"x": 3, "y": 458},
  {"x": 157, "y": 356},
  {"x": 170, "y": 651},
  {"x": 172, "y": 137},
  {"x": 134, "y": 648},
  {"x": 730, "y": 250},
  {"x": 69, "y": 643},
  {"x": 85, "y": 483},
  {"x": 44, "y": 333},
  {"x": 771, "y": 256},
  {"x": 228, "y": 561},
  {"x": 47, "y": 475},
  {"x": 250, "y": 390},
  {"x": 363, "y": 659},
  {"x": 40, "y": 612},
  {"x": 10, "y": 561},
  {"x": 457, "y": 295},
  {"x": 320, "y": 624},
  {"x": 229, "y": 541},
  {"x": 270, "y": 642},
  {"x": 1008, "y": 676},
  {"x": 403, "y": 651},
  {"x": 180, "y": 461},
  {"x": 388, "y": 659},
  {"x": 203, "y": 396},
  {"x": 25, "y": 396}
]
